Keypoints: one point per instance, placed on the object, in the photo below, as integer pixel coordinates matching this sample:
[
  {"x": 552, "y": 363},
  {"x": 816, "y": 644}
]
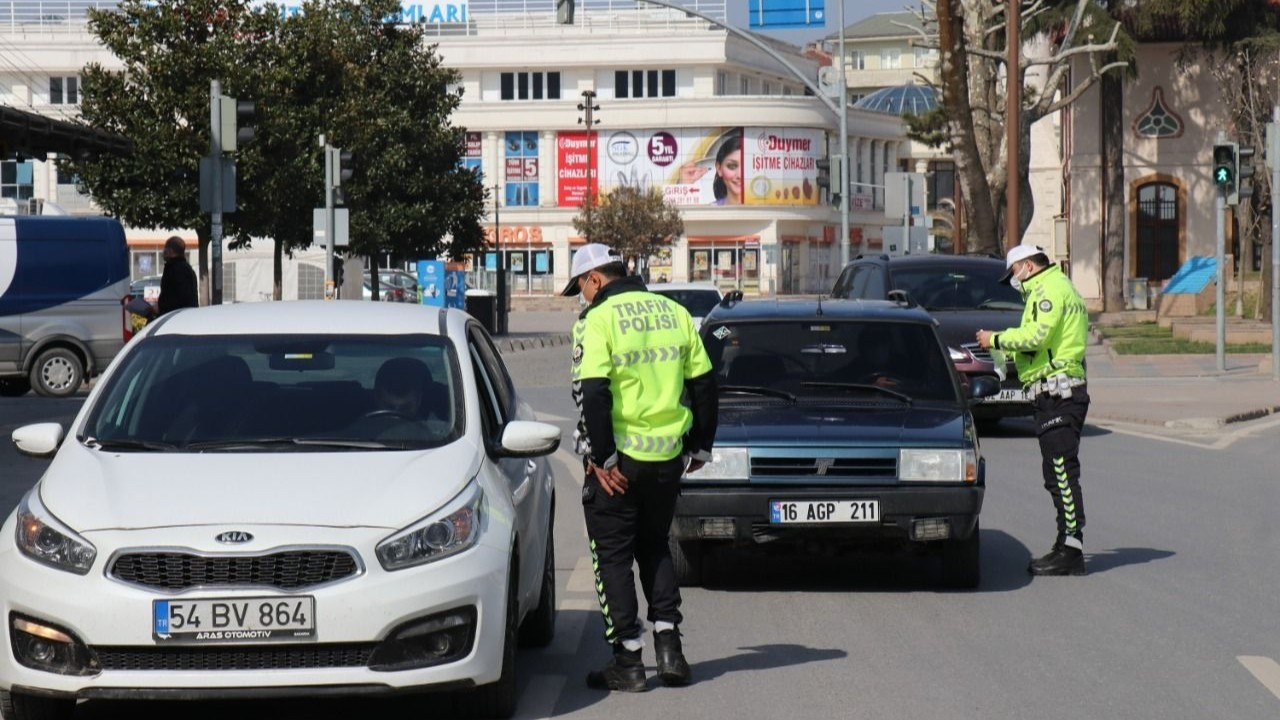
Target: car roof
[
  {"x": 659, "y": 287},
  {"x": 802, "y": 309},
  {"x": 297, "y": 317},
  {"x": 932, "y": 260}
]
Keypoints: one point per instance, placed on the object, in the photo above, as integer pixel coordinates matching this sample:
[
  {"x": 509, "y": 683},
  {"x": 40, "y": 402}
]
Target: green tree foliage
[
  {"x": 341, "y": 68},
  {"x": 632, "y": 221}
]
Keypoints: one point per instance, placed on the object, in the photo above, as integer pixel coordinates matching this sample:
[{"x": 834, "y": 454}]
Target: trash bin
[{"x": 483, "y": 306}]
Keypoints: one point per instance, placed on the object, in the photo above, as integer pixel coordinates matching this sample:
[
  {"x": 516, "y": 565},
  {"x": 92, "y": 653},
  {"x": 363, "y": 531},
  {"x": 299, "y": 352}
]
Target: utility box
[{"x": 483, "y": 306}]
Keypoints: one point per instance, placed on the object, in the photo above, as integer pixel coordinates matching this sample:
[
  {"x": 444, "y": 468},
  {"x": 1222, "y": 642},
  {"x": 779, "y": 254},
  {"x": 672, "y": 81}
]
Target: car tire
[
  {"x": 14, "y": 387},
  {"x": 686, "y": 558},
  {"x": 539, "y": 628},
  {"x": 962, "y": 561},
  {"x": 57, "y": 372},
  {"x": 20, "y": 706},
  {"x": 498, "y": 699}
]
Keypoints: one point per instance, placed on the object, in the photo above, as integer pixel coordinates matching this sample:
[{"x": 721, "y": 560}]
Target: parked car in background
[
  {"x": 63, "y": 285},
  {"x": 964, "y": 294},
  {"x": 697, "y": 298},
  {"x": 842, "y": 424},
  {"x": 393, "y": 286},
  {"x": 356, "y": 500}
]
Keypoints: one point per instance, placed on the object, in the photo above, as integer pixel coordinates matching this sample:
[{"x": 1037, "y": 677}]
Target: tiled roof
[{"x": 887, "y": 24}]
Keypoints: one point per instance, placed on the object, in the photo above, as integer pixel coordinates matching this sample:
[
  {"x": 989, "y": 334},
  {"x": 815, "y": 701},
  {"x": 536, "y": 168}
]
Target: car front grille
[
  {"x": 284, "y": 657},
  {"x": 284, "y": 570},
  {"x": 847, "y": 467},
  {"x": 978, "y": 351}
]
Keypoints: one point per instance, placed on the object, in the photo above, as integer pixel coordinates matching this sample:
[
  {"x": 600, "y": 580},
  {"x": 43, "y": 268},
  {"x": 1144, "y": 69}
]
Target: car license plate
[
  {"x": 1010, "y": 395},
  {"x": 782, "y": 512},
  {"x": 232, "y": 620}
]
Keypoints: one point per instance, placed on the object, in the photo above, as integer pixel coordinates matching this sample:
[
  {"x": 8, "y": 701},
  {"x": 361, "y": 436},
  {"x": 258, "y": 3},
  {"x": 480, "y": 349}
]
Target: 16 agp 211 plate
[{"x": 231, "y": 620}]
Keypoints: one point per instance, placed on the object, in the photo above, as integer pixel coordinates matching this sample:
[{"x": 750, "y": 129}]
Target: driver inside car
[{"x": 399, "y": 394}]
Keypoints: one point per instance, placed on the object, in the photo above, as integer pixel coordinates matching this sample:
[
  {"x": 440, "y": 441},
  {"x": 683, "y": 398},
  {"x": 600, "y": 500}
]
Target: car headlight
[
  {"x": 453, "y": 529},
  {"x": 937, "y": 465},
  {"x": 43, "y": 538},
  {"x": 726, "y": 464}
]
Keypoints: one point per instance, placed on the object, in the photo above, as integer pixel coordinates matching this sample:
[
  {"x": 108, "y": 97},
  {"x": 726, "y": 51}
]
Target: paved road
[{"x": 1176, "y": 620}]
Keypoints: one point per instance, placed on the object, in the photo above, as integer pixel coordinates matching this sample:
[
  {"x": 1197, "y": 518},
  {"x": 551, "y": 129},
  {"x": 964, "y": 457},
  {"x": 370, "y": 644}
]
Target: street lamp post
[{"x": 1013, "y": 126}]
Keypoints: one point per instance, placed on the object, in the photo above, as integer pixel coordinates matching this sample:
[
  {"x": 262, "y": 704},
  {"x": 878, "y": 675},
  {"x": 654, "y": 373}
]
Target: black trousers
[
  {"x": 1059, "y": 422},
  {"x": 633, "y": 528}
]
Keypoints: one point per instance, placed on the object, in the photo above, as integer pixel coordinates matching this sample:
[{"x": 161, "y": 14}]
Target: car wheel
[
  {"x": 498, "y": 699},
  {"x": 14, "y": 387},
  {"x": 58, "y": 372},
  {"x": 962, "y": 562},
  {"x": 686, "y": 557},
  {"x": 539, "y": 628},
  {"x": 20, "y": 706}
]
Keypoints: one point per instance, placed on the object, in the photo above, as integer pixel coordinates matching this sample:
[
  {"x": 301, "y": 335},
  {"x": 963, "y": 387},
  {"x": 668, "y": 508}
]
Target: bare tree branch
[
  {"x": 1079, "y": 90},
  {"x": 1063, "y": 55}
]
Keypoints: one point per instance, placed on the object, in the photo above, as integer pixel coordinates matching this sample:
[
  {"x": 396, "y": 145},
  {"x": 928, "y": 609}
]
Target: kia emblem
[{"x": 234, "y": 536}]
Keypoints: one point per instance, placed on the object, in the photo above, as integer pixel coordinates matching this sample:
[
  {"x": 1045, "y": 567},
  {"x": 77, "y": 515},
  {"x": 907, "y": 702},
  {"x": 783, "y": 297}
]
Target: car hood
[
  {"x": 838, "y": 425},
  {"x": 959, "y": 327},
  {"x": 94, "y": 490}
]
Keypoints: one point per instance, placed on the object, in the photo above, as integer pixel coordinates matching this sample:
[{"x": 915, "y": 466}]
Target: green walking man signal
[{"x": 1224, "y": 165}]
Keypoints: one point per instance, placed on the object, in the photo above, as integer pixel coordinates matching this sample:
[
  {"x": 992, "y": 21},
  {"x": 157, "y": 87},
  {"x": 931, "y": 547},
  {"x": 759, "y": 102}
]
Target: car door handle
[{"x": 522, "y": 490}]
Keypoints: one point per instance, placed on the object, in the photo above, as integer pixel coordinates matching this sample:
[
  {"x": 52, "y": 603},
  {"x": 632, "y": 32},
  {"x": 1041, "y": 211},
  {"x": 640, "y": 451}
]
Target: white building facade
[{"x": 674, "y": 93}]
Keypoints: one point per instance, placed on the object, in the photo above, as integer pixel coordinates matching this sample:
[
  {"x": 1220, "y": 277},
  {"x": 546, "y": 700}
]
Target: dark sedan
[
  {"x": 841, "y": 424},
  {"x": 964, "y": 294}
]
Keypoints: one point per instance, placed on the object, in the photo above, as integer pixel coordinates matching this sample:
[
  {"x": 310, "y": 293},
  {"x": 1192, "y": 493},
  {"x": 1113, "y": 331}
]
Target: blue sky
[{"x": 854, "y": 10}]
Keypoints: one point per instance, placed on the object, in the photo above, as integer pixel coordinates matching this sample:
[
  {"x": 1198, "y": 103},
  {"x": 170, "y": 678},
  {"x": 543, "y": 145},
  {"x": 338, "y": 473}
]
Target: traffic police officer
[
  {"x": 635, "y": 354},
  {"x": 1048, "y": 350}
]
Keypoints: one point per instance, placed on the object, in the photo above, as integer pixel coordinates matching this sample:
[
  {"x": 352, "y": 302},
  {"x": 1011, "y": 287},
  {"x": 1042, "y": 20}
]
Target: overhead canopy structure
[
  {"x": 901, "y": 100},
  {"x": 37, "y": 135}
]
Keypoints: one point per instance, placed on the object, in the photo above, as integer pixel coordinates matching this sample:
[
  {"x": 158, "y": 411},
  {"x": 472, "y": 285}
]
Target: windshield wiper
[
  {"x": 1000, "y": 305},
  {"x": 757, "y": 390},
  {"x": 129, "y": 444},
  {"x": 861, "y": 386},
  {"x": 254, "y": 443}
]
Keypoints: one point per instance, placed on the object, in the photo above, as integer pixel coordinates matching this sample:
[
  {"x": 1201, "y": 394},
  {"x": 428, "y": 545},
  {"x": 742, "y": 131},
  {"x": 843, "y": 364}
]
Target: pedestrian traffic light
[
  {"x": 1244, "y": 173},
  {"x": 1224, "y": 165}
]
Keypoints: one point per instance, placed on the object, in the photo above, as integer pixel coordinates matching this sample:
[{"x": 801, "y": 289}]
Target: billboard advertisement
[
  {"x": 715, "y": 166},
  {"x": 575, "y": 177},
  {"x": 431, "y": 282}
]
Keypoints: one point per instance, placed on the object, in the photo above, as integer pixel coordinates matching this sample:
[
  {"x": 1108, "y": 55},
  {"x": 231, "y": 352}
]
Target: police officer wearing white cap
[
  {"x": 636, "y": 356},
  {"x": 1048, "y": 351}
]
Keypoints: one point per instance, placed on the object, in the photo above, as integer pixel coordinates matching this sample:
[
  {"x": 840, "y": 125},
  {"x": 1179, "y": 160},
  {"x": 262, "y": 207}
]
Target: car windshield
[
  {"x": 697, "y": 302},
  {"x": 876, "y": 360},
  {"x": 247, "y": 392},
  {"x": 950, "y": 288}
]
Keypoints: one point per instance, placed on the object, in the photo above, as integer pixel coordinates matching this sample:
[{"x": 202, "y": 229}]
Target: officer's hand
[
  {"x": 695, "y": 466},
  {"x": 611, "y": 480},
  {"x": 984, "y": 338}
]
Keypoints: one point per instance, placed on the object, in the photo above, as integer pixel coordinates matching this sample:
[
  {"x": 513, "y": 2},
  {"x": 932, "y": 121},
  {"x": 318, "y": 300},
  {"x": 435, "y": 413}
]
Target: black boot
[
  {"x": 624, "y": 672},
  {"x": 1064, "y": 560},
  {"x": 672, "y": 667},
  {"x": 1043, "y": 560}
]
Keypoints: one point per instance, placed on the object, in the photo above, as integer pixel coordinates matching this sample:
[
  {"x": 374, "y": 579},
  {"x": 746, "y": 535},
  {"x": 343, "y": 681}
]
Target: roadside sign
[
  {"x": 781, "y": 14},
  {"x": 431, "y": 277},
  {"x": 341, "y": 236}
]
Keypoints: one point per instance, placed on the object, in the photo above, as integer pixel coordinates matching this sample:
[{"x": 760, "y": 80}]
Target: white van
[{"x": 63, "y": 284}]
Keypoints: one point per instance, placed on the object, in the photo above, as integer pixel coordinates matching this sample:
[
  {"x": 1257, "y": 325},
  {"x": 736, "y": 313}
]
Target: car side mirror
[
  {"x": 983, "y": 386},
  {"x": 525, "y": 438},
  {"x": 39, "y": 440}
]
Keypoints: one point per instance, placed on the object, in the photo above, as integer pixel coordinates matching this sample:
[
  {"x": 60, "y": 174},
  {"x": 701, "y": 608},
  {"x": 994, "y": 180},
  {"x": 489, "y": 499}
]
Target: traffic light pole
[
  {"x": 215, "y": 217},
  {"x": 330, "y": 281},
  {"x": 1220, "y": 293},
  {"x": 1273, "y": 160},
  {"x": 844, "y": 145}
]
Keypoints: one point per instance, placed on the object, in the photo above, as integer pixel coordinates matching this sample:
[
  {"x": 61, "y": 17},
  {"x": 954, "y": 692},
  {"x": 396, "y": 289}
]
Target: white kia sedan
[{"x": 284, "y": 499}]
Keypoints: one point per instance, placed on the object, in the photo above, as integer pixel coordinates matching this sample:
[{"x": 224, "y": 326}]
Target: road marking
[
  {"x": 583, "y": 579},
  {"x": 1224, "y": 438},
  {"x": 1266, "y": 670},
  {"x": 540, "y": 696},
  {"x": 570, "y": 626}
]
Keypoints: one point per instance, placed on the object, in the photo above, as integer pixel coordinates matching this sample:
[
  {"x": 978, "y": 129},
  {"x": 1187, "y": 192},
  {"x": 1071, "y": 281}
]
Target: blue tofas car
[{"x": 842, "y": 423}]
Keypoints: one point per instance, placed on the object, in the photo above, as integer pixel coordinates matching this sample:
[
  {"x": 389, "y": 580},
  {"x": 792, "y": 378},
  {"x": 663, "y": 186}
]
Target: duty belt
[{"x": 1058, "y": 385}]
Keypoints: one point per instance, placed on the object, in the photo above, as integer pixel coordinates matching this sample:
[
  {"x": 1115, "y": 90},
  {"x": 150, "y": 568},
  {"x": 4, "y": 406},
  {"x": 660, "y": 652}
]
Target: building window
[
  {"x": 722, "y": 83},
  {"x": 310, "y": 282},
  {"x": 926, "y": 57},
  {"x": 64, "y": 90},
  {"x": 786, "y": 90},
  {"x": 229, "y": 282},
  {"x": 857, "y": 60},
  {"x": 1158, "y": 121},
  {"x": 890, "y": 59},
  {"x": 766, "y": 87},
  {"x": 941, "y": 182},
  {"x": 530, "y": 85},
  {"x": 644, "y": 83},
  {"x": 745, "y": 86},
  {"x": 16, "y": 179},
  {"x": 1159, "y": 219},
  {"x": 521, "y": 161}
]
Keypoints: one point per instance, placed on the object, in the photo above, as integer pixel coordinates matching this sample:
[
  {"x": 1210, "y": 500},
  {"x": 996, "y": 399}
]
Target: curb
[
  {"x": 515, "y": 345},
  {"x": 1195, "y": 423}
]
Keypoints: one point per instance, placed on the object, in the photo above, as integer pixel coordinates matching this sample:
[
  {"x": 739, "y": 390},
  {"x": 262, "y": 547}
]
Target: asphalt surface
[{"x": 1175, "y": 620}]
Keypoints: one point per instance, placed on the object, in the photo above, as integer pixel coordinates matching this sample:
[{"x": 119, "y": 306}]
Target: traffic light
[
  {"x": 564, "y": 12},
  {"x": 1244, "y": 174},
  {"x": 831, "y": 176},
  {"x": 338, "y": 263},
  {"x": 1224, "y": 166},
  {"x": 342, "y": 172},
  {"x": 237, "y": 122}
]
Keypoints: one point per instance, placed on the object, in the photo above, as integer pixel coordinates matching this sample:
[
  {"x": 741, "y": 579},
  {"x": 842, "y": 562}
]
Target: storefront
[{"x": 732, "y": 263}]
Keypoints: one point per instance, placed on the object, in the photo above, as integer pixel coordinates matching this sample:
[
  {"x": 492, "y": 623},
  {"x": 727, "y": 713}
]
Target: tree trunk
[
  {"x": 1264, "y": 295},
  {"x": 1113, "y": 211},
  {"x": 203, "y": 236},
  {"x": 373, "y": 277},
  {"x": 277, "y": 271},
  {"x": 980, "y": 221}
]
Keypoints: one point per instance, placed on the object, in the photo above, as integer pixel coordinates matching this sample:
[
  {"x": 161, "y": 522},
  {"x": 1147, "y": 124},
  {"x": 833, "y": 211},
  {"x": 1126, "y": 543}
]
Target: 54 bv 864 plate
[{"x": 255, "y": 619}]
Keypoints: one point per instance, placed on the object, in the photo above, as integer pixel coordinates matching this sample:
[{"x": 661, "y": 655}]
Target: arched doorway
[{"x": 1158, "y": 237}]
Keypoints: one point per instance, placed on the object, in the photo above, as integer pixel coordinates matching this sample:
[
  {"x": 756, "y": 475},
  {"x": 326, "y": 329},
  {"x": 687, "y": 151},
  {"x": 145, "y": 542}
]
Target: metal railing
[{"x": 484, "y": 17}]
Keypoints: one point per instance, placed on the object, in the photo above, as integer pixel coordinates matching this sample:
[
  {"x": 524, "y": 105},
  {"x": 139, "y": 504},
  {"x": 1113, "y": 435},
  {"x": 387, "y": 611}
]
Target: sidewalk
[{"x": 1185, "y": 391}]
